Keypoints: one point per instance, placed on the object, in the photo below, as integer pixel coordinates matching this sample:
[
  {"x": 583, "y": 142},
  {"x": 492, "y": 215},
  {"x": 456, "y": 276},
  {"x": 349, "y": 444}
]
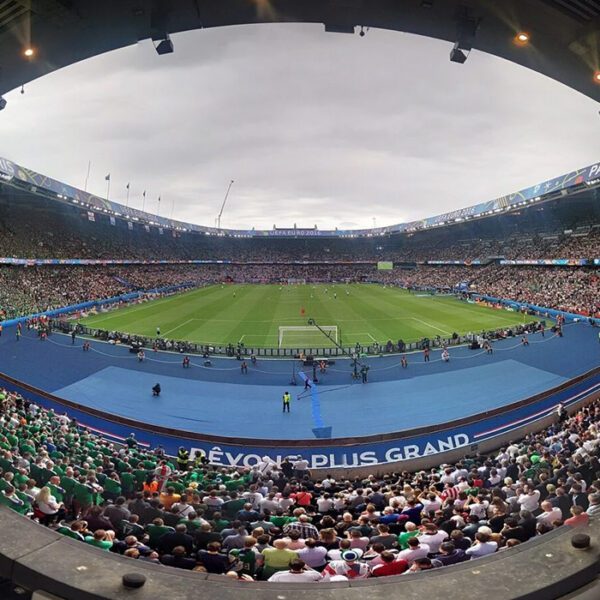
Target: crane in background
[{"x": 223, "y": 205}]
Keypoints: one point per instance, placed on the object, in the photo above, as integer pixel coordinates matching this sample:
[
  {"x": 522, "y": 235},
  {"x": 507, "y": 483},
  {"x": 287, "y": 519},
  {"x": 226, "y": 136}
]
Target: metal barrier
[{"x": 241, "y": 351}]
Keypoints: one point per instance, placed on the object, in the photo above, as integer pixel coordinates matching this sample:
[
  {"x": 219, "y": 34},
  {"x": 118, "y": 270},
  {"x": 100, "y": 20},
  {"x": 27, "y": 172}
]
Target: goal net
[{"x": 307, "y": 336}]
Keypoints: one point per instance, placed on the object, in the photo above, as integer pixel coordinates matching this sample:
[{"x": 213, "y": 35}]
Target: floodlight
[
  {"x": 165, "y": 46},
  {"x": 457, "y": 55}
]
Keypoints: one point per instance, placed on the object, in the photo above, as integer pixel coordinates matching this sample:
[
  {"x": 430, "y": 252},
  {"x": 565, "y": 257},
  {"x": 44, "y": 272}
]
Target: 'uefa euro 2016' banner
[
  {"x": 10, "y": 171},
  {"x": 556, "y": 262},
  {"x": 465, "y": 263}
]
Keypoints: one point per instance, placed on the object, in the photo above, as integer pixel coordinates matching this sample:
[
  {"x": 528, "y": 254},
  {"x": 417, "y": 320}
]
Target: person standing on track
[
  {"x": 286, "y": 402},
  {"x": 426, "y": 354}
]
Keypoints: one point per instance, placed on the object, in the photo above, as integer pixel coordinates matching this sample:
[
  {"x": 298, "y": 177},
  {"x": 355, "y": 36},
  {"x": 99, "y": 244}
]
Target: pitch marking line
[
  {"x": 432, "y": 326},
  {"x": 178, "y": 326}
]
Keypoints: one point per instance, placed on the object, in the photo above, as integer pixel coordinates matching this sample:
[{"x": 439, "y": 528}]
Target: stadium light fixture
[
  {"x": 522, "y": 38},
  {"x": 164, "y": 46},
  {"x": 466, "y": 30},
  {"x": 597, "y": 77},
  {"x": 29, "y": 52}
]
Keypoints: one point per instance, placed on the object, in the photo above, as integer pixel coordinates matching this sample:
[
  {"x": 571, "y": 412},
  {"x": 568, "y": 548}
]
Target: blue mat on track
[{"x": 243, "y": 410}]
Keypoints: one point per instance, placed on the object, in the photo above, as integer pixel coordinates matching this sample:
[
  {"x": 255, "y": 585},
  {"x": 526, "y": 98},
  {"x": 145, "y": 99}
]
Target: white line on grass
[
  {"x": 432, "y": 326},
  {"x": 178, "y": 326}
]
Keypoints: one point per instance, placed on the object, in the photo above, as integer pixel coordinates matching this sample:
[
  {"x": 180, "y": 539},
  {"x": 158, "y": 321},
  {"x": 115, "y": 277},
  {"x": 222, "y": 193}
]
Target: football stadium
[{"x": 194, "y": 410}]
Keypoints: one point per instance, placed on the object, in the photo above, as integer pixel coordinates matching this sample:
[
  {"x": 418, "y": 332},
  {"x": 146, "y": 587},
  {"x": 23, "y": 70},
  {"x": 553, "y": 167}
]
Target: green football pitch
[{"x": 253, "y": 314}]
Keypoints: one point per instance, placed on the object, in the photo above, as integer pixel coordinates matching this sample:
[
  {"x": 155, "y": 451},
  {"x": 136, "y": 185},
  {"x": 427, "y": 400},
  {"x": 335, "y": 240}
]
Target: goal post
[{"x": 308, "y": 336}]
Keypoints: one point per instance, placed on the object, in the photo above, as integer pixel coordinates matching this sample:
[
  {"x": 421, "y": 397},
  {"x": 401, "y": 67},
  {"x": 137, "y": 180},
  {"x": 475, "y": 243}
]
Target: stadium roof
[
  {"x": 562, "y": 37},
  {"x": 563, "y": 186}
]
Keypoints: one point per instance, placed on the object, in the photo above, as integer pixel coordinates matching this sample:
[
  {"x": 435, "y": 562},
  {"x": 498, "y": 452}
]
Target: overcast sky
[{"x": 315, "y": 128}]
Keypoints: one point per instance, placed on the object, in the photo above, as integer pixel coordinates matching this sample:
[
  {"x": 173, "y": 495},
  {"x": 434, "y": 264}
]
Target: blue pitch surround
[
  {"x": 255, "y": 411},
  {"x": 220, "y": 401}
]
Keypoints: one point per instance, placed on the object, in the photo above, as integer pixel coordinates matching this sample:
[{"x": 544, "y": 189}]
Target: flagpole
[
  {"x": 144, "y": 201},
  {"x": 172, "y": 206},
  {"x": 158, "y": 209},
  {"x": 127, "y": 202},
  {"x": 108, "y": 189},
  {"x": 87, "y": 176}
]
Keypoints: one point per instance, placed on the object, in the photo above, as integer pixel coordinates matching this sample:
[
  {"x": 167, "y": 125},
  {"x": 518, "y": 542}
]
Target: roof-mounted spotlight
[
  {"x": 522, "y": 38},
  {"x": 466, "y": 28},
  {"x": 165, "y": 45},
  {"x": 457, "y": 55},
  {"x": 29, "y": 52},
  {"x": 597, "y": 77}
]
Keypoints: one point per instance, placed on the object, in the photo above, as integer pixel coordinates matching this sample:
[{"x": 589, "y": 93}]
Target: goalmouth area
[{"x": 256, "y": 316}]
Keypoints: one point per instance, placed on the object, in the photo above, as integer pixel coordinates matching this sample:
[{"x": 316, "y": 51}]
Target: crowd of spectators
[
  {"x": 58, "y": 231},
  {"x": 568, "y": 289},
  {"x": 280, "y": 522},
  {"x": 28, "y": 290}
]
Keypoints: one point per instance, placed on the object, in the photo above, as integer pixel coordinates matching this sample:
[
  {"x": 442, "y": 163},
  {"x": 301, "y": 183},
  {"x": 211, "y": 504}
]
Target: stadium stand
[
  {"x": 28, "y": 290},
  {"x": 276, "y": 523}
]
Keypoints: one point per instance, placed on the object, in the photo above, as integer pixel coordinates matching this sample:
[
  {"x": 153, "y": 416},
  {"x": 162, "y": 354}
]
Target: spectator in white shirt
[
  {"x": 550, "y": 514},
  {"x": 432, "y": 537},
  {"x": 324, "y": 503},
  {"x": 270, "y": 503},
  {"x": 415, "y": 550},
  {"x": 297, "y": 573},
  {"x": 482, "y": 546},
  {"x": 529, "y": 499}
]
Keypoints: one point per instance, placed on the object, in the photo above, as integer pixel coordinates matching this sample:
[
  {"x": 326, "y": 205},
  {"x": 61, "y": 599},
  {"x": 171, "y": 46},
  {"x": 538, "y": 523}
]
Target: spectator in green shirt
[
  {"x": 101, "y": 539},
  {"x": 410, "y": 531}
]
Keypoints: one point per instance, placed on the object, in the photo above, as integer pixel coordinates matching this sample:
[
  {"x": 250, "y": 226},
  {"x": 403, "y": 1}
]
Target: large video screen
[{"x": 385, "y": 265}]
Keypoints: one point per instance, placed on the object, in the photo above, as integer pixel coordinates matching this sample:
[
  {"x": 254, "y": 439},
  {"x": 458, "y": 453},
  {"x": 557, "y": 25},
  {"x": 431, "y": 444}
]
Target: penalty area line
[
  {"x": 178, "y": 326},
  {"x": 432, "y": 326}
]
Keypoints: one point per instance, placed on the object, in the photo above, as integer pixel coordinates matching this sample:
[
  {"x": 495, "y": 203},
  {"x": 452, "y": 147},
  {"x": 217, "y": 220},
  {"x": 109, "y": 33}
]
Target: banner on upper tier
[
  {"x": 557, "y": 262},
  {"x": 465, "y": 263},
  {"x": 63, "y": 191},
  {"x": 7, "y": 170}
]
